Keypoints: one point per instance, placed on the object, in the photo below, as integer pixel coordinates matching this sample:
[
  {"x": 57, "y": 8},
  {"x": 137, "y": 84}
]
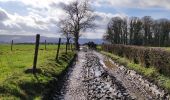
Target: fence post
[
  {"x": 45, "y": 44},
  {"x": 36, "y": 52},
  {"x": 71, "y": 46},
  {"x": 12, "y": 42},
  {"x": 66, "y": 46},
  {"x": 58, "y": 48}
]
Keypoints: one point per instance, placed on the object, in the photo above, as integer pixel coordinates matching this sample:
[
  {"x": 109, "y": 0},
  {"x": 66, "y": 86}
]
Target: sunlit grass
[
  {"x": 15, "y": 83},
  {"x": 99, "y": 47}
]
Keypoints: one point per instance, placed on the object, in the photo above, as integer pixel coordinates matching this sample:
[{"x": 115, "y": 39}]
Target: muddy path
[{"x": 96, "y": 77}]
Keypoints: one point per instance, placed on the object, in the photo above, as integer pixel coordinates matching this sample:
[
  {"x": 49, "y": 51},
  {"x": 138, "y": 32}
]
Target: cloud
[
  {"x": 3, "y": 15},
  {"x": 143, "y": 4},
  {"x": 42, "y": 16},
  {"x": 39, "y": 3},
  {"x": 101, "y": 21},
  {"x": 93, "y": 34},
  {"x": 104, "y": 18},
  {"x": 32, "y": 23}
]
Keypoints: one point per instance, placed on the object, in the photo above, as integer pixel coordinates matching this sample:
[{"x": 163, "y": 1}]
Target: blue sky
[{"x": 29, "y": 17}]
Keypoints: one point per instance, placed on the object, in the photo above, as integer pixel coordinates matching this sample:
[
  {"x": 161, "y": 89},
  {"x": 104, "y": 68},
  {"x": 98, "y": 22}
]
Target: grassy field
[{"x": 15, "y": 83}]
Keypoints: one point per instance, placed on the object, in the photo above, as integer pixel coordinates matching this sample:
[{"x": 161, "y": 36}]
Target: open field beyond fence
[{"x": 15, "y": 83}]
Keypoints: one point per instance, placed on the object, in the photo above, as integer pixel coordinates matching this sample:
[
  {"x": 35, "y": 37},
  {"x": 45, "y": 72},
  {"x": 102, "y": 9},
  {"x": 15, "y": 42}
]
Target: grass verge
[{"x": 151, "y": 74}]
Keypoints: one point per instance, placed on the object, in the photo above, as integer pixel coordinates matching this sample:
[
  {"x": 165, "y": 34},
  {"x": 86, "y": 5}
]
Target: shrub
[
  {"x": 91, "y": 45},
  {"x": 145, "y": 56}
]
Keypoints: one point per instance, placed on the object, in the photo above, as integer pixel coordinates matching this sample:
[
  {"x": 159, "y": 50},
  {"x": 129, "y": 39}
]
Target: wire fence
[{"x": 34, "y": 48}]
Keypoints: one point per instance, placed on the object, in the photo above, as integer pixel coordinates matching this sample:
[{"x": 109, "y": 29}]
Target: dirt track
[{"x": 96, "y": 77}]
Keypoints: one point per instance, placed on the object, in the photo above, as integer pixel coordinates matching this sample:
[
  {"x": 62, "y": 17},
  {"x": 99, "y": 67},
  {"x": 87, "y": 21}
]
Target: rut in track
[{"x": 90, "y": 79}]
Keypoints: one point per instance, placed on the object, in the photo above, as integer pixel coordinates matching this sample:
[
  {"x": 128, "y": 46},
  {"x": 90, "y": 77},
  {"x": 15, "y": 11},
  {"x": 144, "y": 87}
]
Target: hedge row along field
[{"x": 146, "y": 56}]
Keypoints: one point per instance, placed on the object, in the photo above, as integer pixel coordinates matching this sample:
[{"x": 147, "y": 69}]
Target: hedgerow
[{"x": 146, "y": 56}]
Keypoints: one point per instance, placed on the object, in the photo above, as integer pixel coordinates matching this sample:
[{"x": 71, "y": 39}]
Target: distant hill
[{"x": 31, "y": 39}]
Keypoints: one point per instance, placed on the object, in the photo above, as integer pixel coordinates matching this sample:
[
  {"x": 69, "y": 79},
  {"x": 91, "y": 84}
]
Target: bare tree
[
  {"x": 65, "y": 28},
  {"x": 147, "y": 26},
  {"x": 79, "y": 17},
  {"x": 124, "y": 30},
  {"x": 138, "y": 31},
  {"x": 109, "y": 36},
  {"x": 135, "y": 31},
  {"x": 116, "y": 31},
  {"x": 165, "y": 30},
  {"x": 157, "y": 33}
]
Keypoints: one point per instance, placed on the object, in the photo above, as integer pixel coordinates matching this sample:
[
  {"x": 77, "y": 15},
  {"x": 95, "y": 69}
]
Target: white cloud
[
  {"x": 39, "y": 3},
  {"x": 17, "y": 24},
  {"x": 43, "y": 15},
  {"x": 115, "y": 3},
  {"x": 94, "y": 34},
  {"x": 3, "y": 15},
  {"x": 134, "y": 3},
  {"x": 42, "y": 18},
  {"x": 101, "y": 22}
]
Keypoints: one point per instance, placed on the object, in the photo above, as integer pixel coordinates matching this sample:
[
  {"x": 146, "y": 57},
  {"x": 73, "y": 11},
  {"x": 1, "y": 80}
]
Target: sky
[{"x": 30, "y": 17}]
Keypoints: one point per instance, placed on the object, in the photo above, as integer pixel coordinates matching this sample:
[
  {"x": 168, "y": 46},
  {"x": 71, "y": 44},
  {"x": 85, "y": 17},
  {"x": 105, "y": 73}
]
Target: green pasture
[{"x": 15, "y": 84}]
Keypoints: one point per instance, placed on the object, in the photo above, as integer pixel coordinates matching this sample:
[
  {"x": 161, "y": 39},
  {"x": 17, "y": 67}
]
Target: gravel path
[
  {"x": 75, "y": 89},
  {"x": 99, "y": 83},
  {"x": 92, "y": 79}
]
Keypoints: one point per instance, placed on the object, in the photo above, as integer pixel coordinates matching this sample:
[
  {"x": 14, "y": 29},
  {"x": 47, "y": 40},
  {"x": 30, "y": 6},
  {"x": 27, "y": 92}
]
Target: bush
[
  {"x": 91, "y": 45},
  {"x": 145, "y": 56}
]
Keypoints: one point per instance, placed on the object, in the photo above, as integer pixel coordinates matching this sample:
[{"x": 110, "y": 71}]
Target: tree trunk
[{"x": 76, "y": 43}]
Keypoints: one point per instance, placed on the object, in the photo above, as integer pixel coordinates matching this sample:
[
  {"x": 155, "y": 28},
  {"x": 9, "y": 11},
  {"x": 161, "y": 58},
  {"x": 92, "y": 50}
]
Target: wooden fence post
[
  {"x": 66, "y": 46},
  {"x": 12, "y": 42},
  {"x": 45, "y": 44},
  {"x": 58, "y": 48},
  {"x": 71, "y": 46},
  {"x": 36, "y": 52}
]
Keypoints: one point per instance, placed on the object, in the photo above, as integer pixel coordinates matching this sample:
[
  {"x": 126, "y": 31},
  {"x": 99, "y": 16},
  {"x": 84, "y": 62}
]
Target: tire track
[{"x": 91, "y": 79}]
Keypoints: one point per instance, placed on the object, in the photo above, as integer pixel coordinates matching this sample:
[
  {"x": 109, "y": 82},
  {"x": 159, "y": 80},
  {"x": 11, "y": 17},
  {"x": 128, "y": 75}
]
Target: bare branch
[{"x": 79, "y": 17}]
